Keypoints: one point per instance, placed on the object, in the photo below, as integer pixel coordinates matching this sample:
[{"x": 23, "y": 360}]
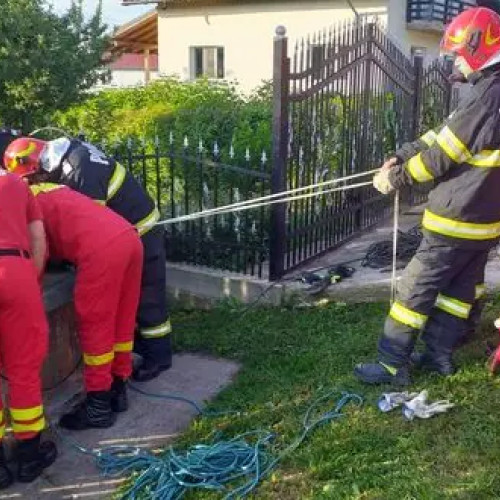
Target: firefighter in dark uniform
[
  {"x": 89, "y": 171},
  {"x": 462, "y": 221},
  {"x": 7, "y": 135}
]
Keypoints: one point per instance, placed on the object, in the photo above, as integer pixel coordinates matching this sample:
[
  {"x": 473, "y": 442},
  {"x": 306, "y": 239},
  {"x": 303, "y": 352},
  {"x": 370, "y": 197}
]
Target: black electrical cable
[
  {"x": 68, "y": 376},
  {"x": 379, "y": 255},
  {"x": 61, "y": 382}
]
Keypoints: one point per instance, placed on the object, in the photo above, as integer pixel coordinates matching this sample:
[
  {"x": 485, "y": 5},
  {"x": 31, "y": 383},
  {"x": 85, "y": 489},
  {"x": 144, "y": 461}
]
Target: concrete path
[
  {"x": 149, "y": 423},
  {"x": 373, "y": 285}
]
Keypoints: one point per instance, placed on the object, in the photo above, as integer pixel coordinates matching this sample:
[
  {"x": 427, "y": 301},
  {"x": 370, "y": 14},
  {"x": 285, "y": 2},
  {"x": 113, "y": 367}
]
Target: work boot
[
  {"x": 466, "y": 339},
  {"x": 33, "y": 457},
  {"x": 149, "y": 369},
  {"x": 379, "y": 373},
  {"x": 6, "y": 477},
  {"x": 156, "y": 358},
  {"x": 438, "y": 364},
  {"x": 119, "y": 398},
  {"x": 94, "y": 412}
]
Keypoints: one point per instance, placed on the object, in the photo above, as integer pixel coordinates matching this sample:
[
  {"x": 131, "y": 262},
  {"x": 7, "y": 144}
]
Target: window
[
  {"x": 207, "y": 62},
  {"x": 418, "y": 51}
]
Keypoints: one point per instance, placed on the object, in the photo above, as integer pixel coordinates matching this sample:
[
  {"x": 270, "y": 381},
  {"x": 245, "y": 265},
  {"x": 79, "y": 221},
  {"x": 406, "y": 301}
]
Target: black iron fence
[
  {"x": 343, "y": 101},
  {"x": 185, "y": 177}
]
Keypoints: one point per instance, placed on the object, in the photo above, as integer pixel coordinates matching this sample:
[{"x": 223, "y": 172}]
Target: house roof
[
  {"x": 197, "y": 3},
  {"x": 165, "y": 4},
  {"x": 138, "y": 35},
  {"x": 132, "y": 61}
]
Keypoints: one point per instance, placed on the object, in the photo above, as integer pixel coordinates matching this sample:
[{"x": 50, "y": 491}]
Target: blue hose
[{"x": 234, "y": 467}]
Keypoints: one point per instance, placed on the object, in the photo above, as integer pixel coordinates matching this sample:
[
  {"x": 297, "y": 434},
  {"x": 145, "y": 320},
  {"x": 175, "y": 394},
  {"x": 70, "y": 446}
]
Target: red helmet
[
  {"x": 474, "y": 36},
  {"x": 22, "y": 156}
]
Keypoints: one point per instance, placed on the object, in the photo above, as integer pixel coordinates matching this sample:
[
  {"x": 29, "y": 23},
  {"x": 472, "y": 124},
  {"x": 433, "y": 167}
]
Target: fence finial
[{"x": 280, "y": 31}]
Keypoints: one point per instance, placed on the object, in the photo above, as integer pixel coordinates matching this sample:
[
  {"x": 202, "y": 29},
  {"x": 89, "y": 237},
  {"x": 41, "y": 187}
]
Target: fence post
[
  {"x": 366, "y": 92},
  {"x": 418, "y": 64},
  {"x": 448, "y": 69},
  {"x": 281, "y": 71}
]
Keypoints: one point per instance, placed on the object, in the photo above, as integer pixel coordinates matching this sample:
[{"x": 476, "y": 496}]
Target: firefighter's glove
[
  {"x": 381, "y": 181},
  {"x": 420, "y": 408},
  {"x": 390, "y": 400}
]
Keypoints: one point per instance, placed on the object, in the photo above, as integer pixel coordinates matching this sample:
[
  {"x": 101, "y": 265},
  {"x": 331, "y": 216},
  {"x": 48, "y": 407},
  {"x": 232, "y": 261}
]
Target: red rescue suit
[
  {"x": 107, "y": 253},
  {"x": 23, "y": 324}
]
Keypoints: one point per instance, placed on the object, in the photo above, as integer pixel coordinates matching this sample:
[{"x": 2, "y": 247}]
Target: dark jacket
[{"x": 462, "y": 159}]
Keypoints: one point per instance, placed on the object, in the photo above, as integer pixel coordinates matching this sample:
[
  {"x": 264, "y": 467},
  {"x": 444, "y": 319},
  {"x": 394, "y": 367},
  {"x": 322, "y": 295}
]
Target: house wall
[
  {"x": 407, "y": 38},
  {"x": 127, "y": 78},
  {"x": 246, "y": 32}
]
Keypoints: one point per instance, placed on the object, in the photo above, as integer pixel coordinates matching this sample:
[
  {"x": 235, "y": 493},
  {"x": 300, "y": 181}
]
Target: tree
[{"x": 47, "y": 62}]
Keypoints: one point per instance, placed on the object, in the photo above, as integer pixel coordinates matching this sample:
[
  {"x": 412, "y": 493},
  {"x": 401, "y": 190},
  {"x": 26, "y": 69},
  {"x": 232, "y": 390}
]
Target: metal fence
[
  {"x": 344, "y": 99},
  {"x": 185, "y": 177}
]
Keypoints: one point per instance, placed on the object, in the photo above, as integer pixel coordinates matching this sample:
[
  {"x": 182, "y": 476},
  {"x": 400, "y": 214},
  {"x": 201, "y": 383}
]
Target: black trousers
[
  {"x": 434, "y": 296},
  {"x": 154, "y": 329}
]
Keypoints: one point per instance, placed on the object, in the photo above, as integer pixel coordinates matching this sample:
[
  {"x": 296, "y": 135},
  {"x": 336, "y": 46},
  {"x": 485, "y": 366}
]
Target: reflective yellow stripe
[
  {"x": 457, "y": 229},
  {"x": 389, "y": 368},
  {"x": 417, "y": 169},
  {"x": 408, "y": 317},
  {"x": 480, "y": 291},
  {"x": 2, "y": 424},
  {"x": 44, "y": 187},
  {"x": 453, "y": 306},
  {"x": 429, "y": 138},
  {"x": 102, "y": 359},
  {"x": 26, "y": 413},
  {"x": 124, "y": 347},
  {"x": 453, "y": 146},
  {"x": 21, "y": 154},
  {"x": 146, "y": 224},
  {"x": 37, "y": 426},
  {"x": 100, "y": 202},
  {"x": 486, "y": 158},
  {"x": 157, "y": 331},
  {"x": 116, "y": 181}
]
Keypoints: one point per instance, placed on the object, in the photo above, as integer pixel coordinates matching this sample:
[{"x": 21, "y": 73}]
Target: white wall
[
  {"x": 127, "y": 78},
  {"x": 407, "y": 38},
  {"x": 246, "y": 33}
]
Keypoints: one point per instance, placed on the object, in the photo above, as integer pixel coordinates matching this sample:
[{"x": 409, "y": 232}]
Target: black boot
[
  {"x": 156, "y": 358},
  {"x": 149, "y": 370},
  {"x": 6, "y": 478},
  {"x": 379, "y": 373},
  {"x": 94, "y": 412},
  {"x": 438, "y": 364},
  {"x": 33, "y": 457},
  {"x": 119, "y": 398}
]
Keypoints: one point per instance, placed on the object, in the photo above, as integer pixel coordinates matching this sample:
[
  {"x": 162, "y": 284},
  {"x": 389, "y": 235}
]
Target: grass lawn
[{"x": 288, "y": 355}]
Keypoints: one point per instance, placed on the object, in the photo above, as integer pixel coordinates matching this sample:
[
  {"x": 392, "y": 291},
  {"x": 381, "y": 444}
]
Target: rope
[
  {"x": 248, "y": 206},
  {"x": 394, "y": 277},
  {"x": 49, "y": 128},
  {"x": 232, "y": 467}
]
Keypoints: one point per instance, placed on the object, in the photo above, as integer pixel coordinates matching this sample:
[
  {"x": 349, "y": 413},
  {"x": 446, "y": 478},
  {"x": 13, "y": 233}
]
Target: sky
[{"x": 114, "y": 13}]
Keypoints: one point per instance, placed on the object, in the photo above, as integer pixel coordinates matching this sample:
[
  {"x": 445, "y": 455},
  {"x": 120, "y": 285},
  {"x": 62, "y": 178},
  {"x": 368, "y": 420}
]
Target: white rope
[
  {"x": 54, "y": 129},
  {"x": 233, "y": 206},
  {"x": 394, "y": 277},
  {"x": 256, "y": 202},
  {"x": 230, "y": 208}
]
